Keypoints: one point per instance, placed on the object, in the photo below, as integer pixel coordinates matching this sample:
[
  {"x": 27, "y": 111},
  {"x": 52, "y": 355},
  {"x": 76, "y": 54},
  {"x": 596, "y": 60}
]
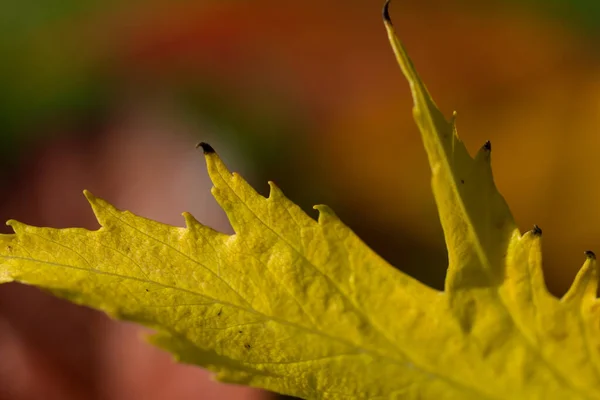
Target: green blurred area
[
  {"x": 50, "y": 73},
  {"x": 39, "y": 80},
  {"x": 581, "y": 14}
]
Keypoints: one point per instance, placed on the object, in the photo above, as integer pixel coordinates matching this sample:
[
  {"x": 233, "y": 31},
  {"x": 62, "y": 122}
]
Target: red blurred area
[{"x": 51, "y": 349}]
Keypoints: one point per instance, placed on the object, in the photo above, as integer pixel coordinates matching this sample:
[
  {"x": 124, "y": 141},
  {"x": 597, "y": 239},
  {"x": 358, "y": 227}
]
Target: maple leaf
[{"x": 304, "y": 307}]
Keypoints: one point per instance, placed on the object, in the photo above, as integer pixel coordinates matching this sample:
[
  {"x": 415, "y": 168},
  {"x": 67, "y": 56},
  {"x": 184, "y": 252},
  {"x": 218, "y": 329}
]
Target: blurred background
[{"x": 112, "y": 96}]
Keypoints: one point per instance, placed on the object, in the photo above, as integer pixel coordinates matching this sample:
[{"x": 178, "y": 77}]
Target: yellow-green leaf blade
[
  {"x": 476, "y": 220},
  {"x": 495, "y": 286},
  {"x": 303, "y": 307},
  {"x": 293, "y": 305}
]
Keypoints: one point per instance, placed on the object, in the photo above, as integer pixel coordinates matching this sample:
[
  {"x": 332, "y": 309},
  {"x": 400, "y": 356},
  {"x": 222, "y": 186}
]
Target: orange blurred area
[{"x": 112, "y": 97}]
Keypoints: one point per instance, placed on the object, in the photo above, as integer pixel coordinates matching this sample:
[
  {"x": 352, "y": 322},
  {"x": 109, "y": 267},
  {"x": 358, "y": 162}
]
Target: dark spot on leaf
[
  {"x": 560, "y": 335},
  {"x": 537, "y": 230},
  {"x": 247, "y": 345},
  {"x": 240, "y": 332},
  {"x": 462, "y": 181},
  {"x": 147, "y": 290},
  {"x": 468, "y": 316},
  {"x": 219, "y": 313},
  {"x": 9, "y": 247}
]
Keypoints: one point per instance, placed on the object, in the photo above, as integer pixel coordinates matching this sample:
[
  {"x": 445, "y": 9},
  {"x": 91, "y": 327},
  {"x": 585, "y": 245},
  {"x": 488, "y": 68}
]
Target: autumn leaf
[{"x": 305, "y": 308}]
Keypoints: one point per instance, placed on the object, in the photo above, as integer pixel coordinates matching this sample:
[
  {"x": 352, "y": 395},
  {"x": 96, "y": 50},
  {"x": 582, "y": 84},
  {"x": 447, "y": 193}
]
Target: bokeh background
[{"x": 112, "y": 96}]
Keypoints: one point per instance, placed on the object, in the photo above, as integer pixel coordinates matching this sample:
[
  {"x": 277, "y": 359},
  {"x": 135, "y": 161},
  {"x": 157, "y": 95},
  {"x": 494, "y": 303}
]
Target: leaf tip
[
  {"x": 89, "y": 196},
  {"x": 98, "y": 206},
  {"x": 585, "y": 286},
  {"x": 93, "y": 200},
  {"x": 12, "y": 223},
  {"x": 206, "y": 148},
  {"x": 190, "y": 221},
  {"x": 452, "y": 120},
  {"x": 590, "y": 254},
  {"x": 386, "y": 12},
  {"x": 17, "y": 226},
  {"x": 325, "y": 212},
  {"x": 274, "y": 191},
  {"x": 485, "y": 152}
]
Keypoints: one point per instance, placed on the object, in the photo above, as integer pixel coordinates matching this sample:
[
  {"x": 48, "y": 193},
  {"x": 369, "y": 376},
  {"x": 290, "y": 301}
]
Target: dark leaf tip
[
  {"x": 487, "y": 146},
  {"x": 206, "y": 148},
  {"x": 590, "y": 254},
  {"x": 537, "y": 230},
  {"x": 386, "y": 12}
]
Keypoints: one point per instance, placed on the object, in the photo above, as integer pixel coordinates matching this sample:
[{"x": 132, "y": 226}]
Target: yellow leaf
[{"x": 303, "y": 307}]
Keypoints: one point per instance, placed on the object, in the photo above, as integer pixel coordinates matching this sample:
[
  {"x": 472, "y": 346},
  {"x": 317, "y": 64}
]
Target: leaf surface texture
[{"x": 305, "y": 308}]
